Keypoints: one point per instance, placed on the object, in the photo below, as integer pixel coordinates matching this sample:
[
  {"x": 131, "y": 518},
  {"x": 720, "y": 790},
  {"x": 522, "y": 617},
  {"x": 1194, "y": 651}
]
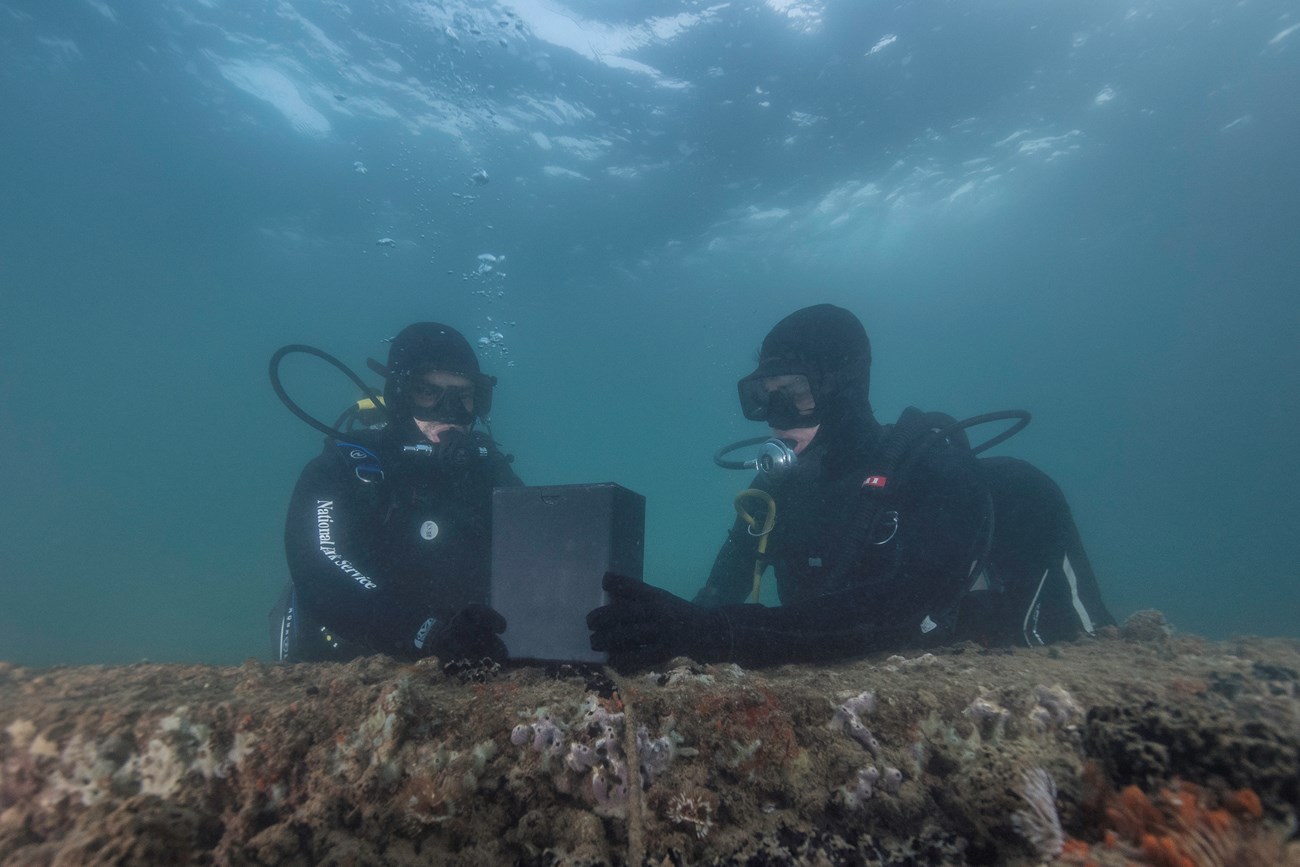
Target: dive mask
[
  {"x": 776, "y": 398},
  {"x": 452, "y": 404},
  {"x": 426, "y": 401}
]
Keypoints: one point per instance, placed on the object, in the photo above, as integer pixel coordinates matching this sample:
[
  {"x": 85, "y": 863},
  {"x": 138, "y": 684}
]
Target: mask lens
[
  {"x": 462, "y": 394},
  {"x": 753, "y": 399},
  {"x": 436, "y": 394},
  {"x": 795, "y": 388},
  {"x": 784, "y": 401},
  {"x": 427, "y": 390},
  {"x": 453, "y": 404}
]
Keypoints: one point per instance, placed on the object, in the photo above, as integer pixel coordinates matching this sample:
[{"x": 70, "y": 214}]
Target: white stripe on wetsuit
[
  {"x": 1079, "y": 609},
  {"x": 1024, "y": 628}
]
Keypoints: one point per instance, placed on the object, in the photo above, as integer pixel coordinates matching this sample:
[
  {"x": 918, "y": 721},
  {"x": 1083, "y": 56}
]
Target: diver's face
[
  {"x": 436, "y": 386},
  {"x": 795, "y": 386}
]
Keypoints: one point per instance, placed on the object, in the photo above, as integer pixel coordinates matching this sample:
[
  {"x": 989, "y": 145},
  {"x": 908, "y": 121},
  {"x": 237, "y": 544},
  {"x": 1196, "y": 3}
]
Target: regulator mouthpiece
[{"x": 776, "y": 458}]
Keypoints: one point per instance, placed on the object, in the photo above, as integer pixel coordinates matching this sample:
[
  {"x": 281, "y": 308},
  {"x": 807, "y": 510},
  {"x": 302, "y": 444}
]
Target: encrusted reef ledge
[{"x": 1137, "y": 748}]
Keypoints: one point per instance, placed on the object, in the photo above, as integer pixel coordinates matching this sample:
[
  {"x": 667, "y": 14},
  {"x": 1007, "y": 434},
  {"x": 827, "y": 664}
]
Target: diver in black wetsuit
[
  {"x": 879, "y": 537},
  {"x": 388, "y": 535}
]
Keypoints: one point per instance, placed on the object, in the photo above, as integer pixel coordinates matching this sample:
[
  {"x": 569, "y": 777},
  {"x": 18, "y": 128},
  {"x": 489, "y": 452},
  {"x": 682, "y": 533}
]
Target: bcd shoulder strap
[
  {"x": 902, "y": 445},
  {"x": 362, "y": 459}
]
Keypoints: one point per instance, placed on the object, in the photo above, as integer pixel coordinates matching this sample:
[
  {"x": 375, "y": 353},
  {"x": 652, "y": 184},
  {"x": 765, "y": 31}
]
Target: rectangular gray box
[{"x": 550, "y": 548}]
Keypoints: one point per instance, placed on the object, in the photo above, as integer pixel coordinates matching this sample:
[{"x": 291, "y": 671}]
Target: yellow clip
[{"x": 769, "y": 521}]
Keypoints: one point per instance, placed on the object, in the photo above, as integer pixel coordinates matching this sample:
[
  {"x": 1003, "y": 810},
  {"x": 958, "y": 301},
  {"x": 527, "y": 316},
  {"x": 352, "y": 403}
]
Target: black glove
[
  {"x": 451, "y": 457},
  {"x": 643, "y": 624},
  {"x": 471, "y": 633},
  {"x": 453, "y": 450}
]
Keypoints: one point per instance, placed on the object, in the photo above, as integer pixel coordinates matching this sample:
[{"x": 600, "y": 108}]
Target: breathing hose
[{"x": 299, "y": 411}]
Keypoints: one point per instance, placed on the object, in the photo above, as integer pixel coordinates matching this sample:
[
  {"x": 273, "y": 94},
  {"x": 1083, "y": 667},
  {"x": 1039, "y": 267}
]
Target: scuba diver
[
  {"x": 880, "y": 537},
  {"x": 388, "y": 535}
]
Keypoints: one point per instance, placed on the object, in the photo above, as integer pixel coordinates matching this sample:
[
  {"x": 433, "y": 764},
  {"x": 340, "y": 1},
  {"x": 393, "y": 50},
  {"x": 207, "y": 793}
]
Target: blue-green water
[{"x": 1088, "y": 210}]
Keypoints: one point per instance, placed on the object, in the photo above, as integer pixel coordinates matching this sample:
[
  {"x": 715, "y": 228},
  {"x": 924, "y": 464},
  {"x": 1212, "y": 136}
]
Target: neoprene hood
[
  {"x": 426, "y": 346},
  {"x": 825, "y": 343}
]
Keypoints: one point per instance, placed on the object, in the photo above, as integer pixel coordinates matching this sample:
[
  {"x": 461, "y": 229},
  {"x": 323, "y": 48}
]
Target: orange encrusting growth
[{"x": 1179, "y": 827}]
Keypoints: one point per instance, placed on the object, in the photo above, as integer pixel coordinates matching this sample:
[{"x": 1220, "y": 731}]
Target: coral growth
[
  {"x": 380, "y": 762},
  {"x": 989, "y": 716},
  {"x": 1182, "y": 825},
  {"x": 591, "y": 747},
  {"x": 753, "y": 725},
  {"x": 1151, "y": 742},
  {"x": 1055, "y": 708},
  {"x": 1147, "y": 625},
  {"x": 848, "y": 717},
  {"x": 864, "y": 786}
]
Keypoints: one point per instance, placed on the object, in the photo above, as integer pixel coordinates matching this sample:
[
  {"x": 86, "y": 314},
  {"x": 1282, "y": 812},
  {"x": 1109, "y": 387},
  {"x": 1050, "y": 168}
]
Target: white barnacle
[{"x": 692, "y": 812}]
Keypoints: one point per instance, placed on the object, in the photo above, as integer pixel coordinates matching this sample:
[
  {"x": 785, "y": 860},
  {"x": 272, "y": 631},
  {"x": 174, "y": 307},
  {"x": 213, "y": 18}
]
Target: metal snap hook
[
  {"x": 891, "y": 517},
  {"x": 372, "y": 473}
]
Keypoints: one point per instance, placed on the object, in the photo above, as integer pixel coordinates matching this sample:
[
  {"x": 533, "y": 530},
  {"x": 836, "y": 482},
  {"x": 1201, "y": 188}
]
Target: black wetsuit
[
  {"x": 962, "y": 548},
  {"x": 380, "y": 539}
]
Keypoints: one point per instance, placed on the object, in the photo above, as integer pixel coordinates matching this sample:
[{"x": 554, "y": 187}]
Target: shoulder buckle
[{"x": 365, "y": 463}]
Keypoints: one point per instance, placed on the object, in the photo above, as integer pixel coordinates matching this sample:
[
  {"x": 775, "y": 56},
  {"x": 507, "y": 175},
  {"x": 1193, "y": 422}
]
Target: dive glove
[
  {"x": 453, "y": 450},
  {"x": 471, "y": 633},
  {"x": 643, "y": 625}
]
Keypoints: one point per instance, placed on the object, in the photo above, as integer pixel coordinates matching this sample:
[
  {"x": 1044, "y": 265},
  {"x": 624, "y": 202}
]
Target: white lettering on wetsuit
[
  {"x": 325, "y": 532},
  {"x": 425, "y": 628}
]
